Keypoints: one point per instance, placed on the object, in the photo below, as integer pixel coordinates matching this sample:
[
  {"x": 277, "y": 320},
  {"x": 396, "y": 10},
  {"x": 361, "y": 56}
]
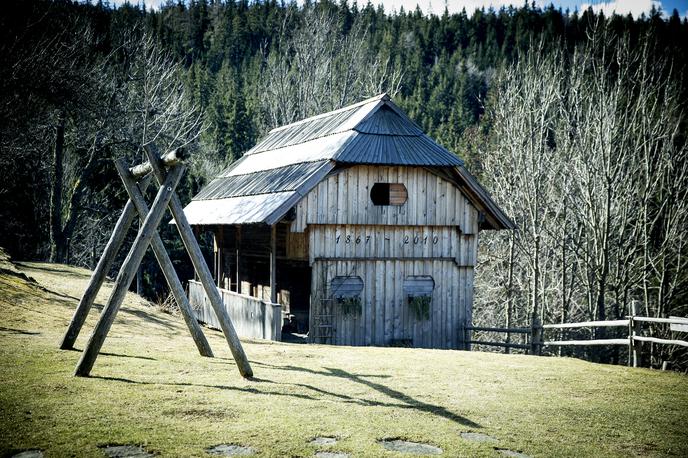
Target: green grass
[{"x": 150, "y": 387}]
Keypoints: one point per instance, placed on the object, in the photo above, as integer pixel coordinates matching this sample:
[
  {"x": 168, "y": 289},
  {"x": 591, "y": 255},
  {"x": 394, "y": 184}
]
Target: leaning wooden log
[
  {"x": 99, "y": 274},
  {"x": 202, "y": 270},
  {"x": 168, "y": 159},
  {"x": 165, "y": 263},
  {"x": 128, "y": 271}
]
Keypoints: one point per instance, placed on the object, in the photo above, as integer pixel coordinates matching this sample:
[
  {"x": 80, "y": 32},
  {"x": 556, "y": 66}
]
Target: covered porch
[{"x": 263, "y": 274}]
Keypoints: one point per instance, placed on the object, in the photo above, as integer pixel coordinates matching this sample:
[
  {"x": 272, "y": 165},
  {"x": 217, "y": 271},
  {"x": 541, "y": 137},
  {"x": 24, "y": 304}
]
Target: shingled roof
[{"x": 285, "y": 165}]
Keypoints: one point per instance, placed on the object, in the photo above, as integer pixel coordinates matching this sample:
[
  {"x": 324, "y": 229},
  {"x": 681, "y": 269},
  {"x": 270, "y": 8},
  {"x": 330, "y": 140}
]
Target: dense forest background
[{"x": 574, "y": 121}]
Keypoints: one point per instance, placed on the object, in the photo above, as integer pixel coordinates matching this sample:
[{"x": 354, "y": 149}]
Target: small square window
[{"x": 388, "y": 194}]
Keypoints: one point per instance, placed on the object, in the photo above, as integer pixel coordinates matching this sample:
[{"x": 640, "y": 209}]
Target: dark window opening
[{"x": 388, "y": 194}]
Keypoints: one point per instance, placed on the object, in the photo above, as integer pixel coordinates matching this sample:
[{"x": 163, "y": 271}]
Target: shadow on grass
[
  {"x": 401, "y": 400},
  {"x": 18, "y": 331},
  {"x": 405, "y": 401},
  {"x": 53, "y": 268}
]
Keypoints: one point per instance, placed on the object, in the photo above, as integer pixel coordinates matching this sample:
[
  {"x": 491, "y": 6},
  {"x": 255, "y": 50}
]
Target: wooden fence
[
  {"x": 633, "y": 341},
  {"x": 533, "y": 333}
]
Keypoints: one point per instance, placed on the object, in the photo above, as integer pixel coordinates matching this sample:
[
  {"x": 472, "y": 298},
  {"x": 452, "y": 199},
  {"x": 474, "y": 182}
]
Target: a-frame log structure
[{"x": 150, "y": 219}]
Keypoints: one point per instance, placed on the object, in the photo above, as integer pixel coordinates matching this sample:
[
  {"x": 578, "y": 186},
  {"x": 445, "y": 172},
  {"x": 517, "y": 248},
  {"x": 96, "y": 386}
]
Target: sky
[{"x": 634, "y": 7}]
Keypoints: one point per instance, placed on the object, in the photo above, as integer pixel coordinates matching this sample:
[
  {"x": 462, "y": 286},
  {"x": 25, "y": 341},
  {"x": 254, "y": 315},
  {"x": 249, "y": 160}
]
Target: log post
[
  {"x": 636, "y": 327},
  {"x": 104, "y": 264},
  {"x": 201, "y": 268},
  {"x": 536, "y": 337},
  {"x": 168, "y": 159},
  {"x": 165, "y": 263},
  {"x": 273, "y": 263},
  {"x": 127, "y": 272}
]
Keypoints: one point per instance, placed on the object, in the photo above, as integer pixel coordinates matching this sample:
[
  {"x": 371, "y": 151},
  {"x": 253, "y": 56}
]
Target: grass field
[{"x": 151, "y": 388}]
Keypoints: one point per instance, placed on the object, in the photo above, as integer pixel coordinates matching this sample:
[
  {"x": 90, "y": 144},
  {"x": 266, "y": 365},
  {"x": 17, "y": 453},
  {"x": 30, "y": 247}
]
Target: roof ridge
[{"x": 384, "y": 96}]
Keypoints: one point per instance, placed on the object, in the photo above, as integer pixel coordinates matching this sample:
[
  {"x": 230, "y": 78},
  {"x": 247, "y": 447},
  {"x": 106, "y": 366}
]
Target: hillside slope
[{"x": 150, "y": 388}]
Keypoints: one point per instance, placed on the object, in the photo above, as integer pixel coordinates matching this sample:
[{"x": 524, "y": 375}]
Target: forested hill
[
  {"x": 440, "y": 67},
  {"x": 576, "y": 123}
]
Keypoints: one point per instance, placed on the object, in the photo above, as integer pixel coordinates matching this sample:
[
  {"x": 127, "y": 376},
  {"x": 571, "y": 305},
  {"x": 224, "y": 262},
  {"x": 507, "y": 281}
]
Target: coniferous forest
[{"x": 575, "y": 122}]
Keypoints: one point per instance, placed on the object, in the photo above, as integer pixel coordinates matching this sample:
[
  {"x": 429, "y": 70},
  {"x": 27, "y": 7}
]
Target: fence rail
[
  {"x": 587, "y": 324},
  {"x": 634, "y": 340},
  {"x": 510, "y": 330}
]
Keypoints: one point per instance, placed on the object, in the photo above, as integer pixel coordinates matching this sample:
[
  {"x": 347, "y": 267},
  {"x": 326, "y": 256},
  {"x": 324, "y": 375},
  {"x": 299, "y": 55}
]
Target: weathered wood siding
[
  {"x": 342, "y": 242},
  {"x": 434, "y": 233},
  {"x": 344, "y": 198},
  {"x": 250, "y": 316},
  {"x": 386, "y": 318}
]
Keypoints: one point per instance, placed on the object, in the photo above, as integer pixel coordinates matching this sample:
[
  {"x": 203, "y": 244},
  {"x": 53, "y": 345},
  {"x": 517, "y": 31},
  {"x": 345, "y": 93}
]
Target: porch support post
[
  {"x": 273, "y": 263},
  {"x": 238, "y": 258}
]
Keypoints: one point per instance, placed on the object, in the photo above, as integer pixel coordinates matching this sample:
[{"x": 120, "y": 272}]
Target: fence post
[
  {"x": 630, "y": 340},
  {"x": 636, "y": 328},
  {"x": 536, "y": 337}
]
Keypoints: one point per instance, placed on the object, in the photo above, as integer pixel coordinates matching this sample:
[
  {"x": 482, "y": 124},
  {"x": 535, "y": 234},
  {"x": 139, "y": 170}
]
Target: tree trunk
[{"x": 58, "y": 241}]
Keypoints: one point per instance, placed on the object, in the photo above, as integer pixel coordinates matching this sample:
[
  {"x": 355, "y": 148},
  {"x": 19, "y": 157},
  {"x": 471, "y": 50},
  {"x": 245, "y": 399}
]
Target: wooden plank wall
[
  {"x": 251, "y": 317},
  {"x": 385, "y": 242},
  {"x": 344, "y": 198},
  {"x": 386, "y": 318}
]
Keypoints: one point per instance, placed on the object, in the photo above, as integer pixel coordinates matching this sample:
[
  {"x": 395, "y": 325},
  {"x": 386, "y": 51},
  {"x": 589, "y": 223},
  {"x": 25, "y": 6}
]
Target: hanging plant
[
  {"x": 420, "y": 306},
  {"x": 349, "y": 306}
]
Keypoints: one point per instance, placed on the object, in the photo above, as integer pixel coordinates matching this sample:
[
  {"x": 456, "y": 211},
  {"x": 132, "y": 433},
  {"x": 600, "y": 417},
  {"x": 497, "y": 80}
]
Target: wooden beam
[
  {"x": 587, "y": 324},
  {"x": 511, "y": 330},
  {"x": 657, "y": 340},
  {"x": 127, "y": 272},
  {"x": 165, "y": 263},
  {"x": 201, "y": 267},
  {"x": 645, "y": 319},
  {"x": 587, "y": 342},
  {"x": 169, "y": 159},
  {"x": 273, "y": 263},
  {"x": 104, "y": 264}
]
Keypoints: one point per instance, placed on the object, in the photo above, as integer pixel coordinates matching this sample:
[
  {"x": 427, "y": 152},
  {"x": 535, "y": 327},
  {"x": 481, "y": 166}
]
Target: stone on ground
[
  {"x": 29, "y": 454},
  {"x": 416, "y": 448},
  {"x": 331, "y": 455},
  {"x": 231, "y": 450}
]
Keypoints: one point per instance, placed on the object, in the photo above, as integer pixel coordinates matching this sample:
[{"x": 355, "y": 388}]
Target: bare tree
[
  {"x": 588, "y": 159},
  {"x": 316, "y": 68}
]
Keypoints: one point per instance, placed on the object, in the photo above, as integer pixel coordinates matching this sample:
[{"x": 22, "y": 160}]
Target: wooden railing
[
  {"x": 508, "y": 331},
  {"x": 633, "y": 340},
  {"x": 251, "y": 316}
]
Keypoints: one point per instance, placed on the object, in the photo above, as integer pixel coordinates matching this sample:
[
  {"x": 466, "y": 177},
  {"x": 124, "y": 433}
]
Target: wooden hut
[{"x": 353, "y": 227}]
